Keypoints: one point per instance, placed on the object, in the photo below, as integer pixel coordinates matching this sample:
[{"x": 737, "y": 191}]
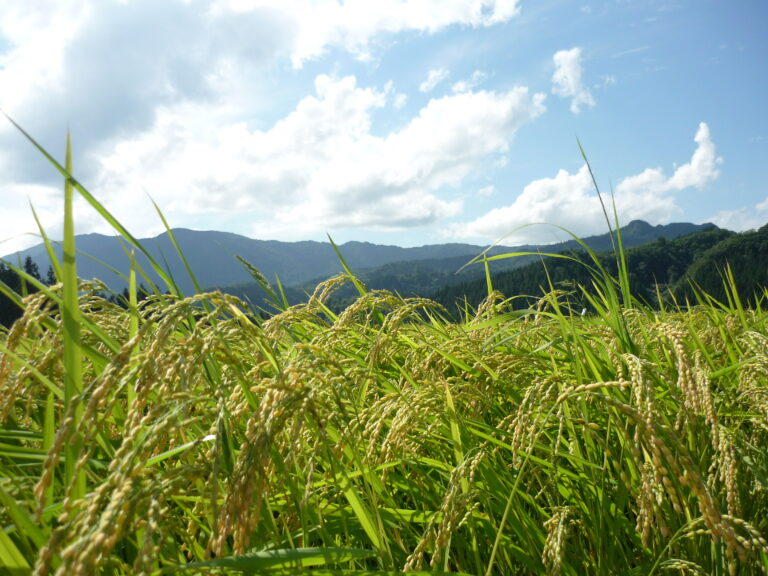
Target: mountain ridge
[{"x": 211, "y": 255}]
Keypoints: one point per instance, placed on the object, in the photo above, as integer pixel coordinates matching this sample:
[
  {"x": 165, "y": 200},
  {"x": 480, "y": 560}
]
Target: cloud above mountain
[{"x": 570, "y": 201}]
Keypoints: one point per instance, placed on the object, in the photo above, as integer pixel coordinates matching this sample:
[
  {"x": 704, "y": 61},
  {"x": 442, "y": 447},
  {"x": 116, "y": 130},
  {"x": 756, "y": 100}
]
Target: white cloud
[
  {"x": 354, "y": 24},
  {"x": 701, "y": 170},
  {"x": 742, "y": 219},
  {"x": 155, "y": 94},
  {"x": 568, "y": 200},
  {"x": 564, "y": 200},
  {"x": 36, "y": 34},
  {"x": 487, "y": 191},
  {"x": 105, "y": 68},
  {"x": 566, "y": 80},
  {"x": 434, "y": 77},
  {"x": 321, "y": 165},
  {"x": 477, "y": 78}
]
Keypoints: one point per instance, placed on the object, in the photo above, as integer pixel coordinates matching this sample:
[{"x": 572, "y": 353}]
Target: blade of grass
[
  {"x": 73, "y": 369},
  {"x": 358, "y": 285},
  {"x": 12, "y": 561},
  {"x": 133, "y": 323},
  {"x": 49, "y": 433},
  {"x": 184, "y": 260},
  {"x": 22, "y": 520}
]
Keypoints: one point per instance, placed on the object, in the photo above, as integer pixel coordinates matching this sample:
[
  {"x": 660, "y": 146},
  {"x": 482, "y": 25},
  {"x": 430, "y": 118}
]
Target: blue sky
[{"x": 404, "y": 122}]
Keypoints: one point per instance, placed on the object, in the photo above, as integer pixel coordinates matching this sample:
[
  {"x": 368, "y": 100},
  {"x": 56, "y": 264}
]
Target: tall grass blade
[
  {"x": 133, "y": 323},
  {"x": 73, "y": 368},
  {"x": 358, "y": 285},
  {"x": 180, "y": 252},
  {"x": 22, "y": 520},
  {"x": 599, "y": 195},
  {"x": 12, "y": 562}
]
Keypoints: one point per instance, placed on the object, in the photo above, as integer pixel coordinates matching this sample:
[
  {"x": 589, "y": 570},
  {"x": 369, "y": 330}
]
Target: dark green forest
[
  {"x": 665, "y": 267},
  {"x": 9, "y": 310}
]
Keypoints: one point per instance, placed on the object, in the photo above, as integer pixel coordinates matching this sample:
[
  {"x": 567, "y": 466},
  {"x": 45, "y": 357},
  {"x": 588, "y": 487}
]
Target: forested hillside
[
  {"x": 745, "y": 255},
  {"x": 661, "y": 267}
]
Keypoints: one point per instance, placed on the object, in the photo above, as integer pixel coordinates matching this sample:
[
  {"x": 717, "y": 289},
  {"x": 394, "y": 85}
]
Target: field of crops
[
  {"x": 385, "y": 439},
  {"x": 186, "y": 435}
]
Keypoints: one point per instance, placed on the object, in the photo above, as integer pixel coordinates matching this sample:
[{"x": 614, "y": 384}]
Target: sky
[{"x": 405, "y": 122}]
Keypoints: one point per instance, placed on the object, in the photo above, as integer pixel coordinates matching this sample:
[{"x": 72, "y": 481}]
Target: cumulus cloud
[
  {"x": 566, "y": 80},
  {"x": 434, "y": 77},
  {"x": 82, "y": 66},
  {"x": 320, "y": 165},
  {"x": 568, "y": 200},
  {"x": 564, "y": 200},
  {"x": 105, "y": 68},
  {"x": 701, "y": 170}
]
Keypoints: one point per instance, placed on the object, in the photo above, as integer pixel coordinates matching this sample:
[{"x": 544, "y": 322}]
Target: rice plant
[{"x": 184, "y": 434}]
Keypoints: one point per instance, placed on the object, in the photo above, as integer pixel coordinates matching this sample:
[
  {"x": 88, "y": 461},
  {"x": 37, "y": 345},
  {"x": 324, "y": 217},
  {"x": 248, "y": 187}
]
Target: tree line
[
  {"x": 9, "y": 310},
  {"x": 12, "y": 279}
]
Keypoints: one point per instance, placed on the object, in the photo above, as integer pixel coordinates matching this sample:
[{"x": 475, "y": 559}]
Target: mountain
[{"x": 211, "y": 256}]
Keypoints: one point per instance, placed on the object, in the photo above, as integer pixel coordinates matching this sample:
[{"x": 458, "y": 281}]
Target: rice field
[{"x": 186, "y": 435}]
